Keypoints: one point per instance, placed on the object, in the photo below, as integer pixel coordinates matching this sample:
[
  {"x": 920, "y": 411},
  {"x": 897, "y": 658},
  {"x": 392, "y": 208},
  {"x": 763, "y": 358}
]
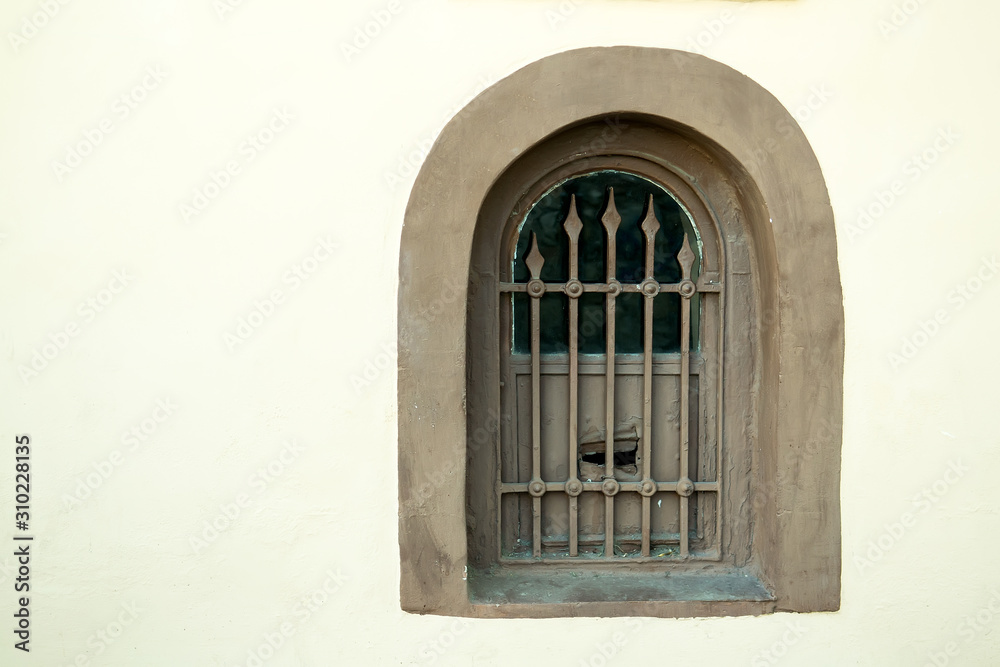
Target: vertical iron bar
[
  {"x": 685, "y": 410},
  {"x": 685, "y": 258},
  {"x": 536, "y": 288},
  {"x": 650, "y": 288},
  {"x": 611, "y": 219},
  {"x": 506, "y": 304},
  {"x": 647, "y": 417},
  {"x": 720, "y": 301},
  {"x": 574, "y": 290}
]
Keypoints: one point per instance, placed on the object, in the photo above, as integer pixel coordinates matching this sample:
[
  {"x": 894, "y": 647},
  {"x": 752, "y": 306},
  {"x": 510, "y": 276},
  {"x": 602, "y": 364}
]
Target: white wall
[{"x": 329, "y": 516}]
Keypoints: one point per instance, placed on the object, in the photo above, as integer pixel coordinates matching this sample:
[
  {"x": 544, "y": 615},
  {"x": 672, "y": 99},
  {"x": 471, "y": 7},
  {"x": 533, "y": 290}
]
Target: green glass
[{"x": 545, "y": 220}]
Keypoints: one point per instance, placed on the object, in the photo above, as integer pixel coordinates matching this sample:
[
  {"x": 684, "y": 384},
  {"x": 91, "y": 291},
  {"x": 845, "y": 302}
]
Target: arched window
[
  {"x": 613, "y": 465},
  {"x": 635, "y": 409},
  {"x": 609, "y": 457}
]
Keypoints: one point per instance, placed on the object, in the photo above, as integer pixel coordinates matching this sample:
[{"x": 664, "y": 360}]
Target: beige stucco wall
[{"x": 284, "y": 434}]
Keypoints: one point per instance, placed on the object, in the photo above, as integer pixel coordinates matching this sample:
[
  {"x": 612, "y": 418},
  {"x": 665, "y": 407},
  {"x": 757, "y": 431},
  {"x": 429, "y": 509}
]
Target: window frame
[
  {"x": 788, "y": 251},
  {"x": 674, "y": 162},
  {"x": 624, "y": 155}
]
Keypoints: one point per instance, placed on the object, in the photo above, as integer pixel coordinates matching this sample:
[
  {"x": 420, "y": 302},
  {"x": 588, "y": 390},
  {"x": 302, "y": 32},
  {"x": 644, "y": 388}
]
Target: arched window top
[
  {"x": 592, "y": 193},
  {"x": 606, "y": 204}
]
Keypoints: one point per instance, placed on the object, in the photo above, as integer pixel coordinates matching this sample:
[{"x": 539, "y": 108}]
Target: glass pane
[{"x": 545, "y": 220}]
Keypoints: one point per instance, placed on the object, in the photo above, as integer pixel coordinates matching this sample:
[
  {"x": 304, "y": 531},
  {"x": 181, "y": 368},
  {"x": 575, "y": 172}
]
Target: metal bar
[
  {"x": 650, "y": 288},
  {"x": 605, "y": 287},
  {"x": 506, "y": 304},
  {"x": 611, "y": 219},
  {"x": 699, "y": 487},
  {"x": 587, "y": 562},
  {"x": 534, "y": 261},
  {"x": 595, "y": 540},
  {"x": 574, "y": 525},
  {"x": 665, "y": 363},
  {"x": 685, "y": 410},
  {"x": 573, "y": 227},
  {"x": 719, "y": 376},
  {"x": 686, "y": 258},
  {"x": 647, "y": 410}
]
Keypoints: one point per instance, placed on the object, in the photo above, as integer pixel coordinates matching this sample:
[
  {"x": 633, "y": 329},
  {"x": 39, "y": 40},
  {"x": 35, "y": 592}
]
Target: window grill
[{"x": 644, "y": 435}]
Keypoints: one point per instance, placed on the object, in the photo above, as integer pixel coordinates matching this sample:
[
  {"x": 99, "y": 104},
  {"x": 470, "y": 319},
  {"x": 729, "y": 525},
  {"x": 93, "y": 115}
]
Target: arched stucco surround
[{"x": 796, "y": 458}]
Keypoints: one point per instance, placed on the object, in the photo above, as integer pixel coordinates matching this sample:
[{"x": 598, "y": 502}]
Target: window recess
[{"x": 608, "y": 261}]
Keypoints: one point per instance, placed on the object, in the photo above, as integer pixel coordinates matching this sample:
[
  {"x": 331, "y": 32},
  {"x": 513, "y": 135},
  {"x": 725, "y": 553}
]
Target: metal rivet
[
  {"x": 574, "y": 289},
  {"x": 610, "y": 487},
  {"x": 648, "y": 487},
  {"x": 536, "y": 287},
  {"x": 614, "y": 288},
  {"x": 536, "y": 488},
  {"x": 650, "y": 287},
  {"x": 574, "y": 487},
  {"x": 687, "y": 289},
  {"x": 685, "y": 487}
]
